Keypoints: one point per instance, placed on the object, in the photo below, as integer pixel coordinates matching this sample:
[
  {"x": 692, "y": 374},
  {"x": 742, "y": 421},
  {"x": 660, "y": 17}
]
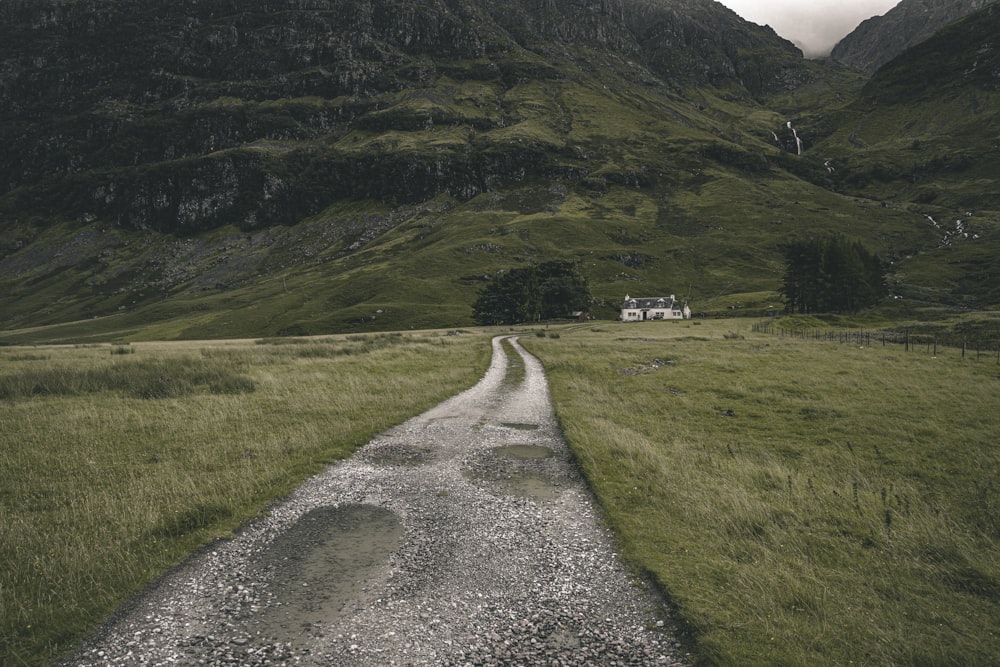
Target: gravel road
[{"x": 464, "y": 536}]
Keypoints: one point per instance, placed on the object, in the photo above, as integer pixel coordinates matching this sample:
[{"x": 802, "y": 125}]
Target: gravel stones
[{"x": 456, "y": 560}]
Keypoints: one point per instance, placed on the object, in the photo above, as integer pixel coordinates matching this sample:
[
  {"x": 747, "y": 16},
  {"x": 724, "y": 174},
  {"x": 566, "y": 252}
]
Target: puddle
[
  {"x": 323, "y": 564},
  {"x": 516, "y": 483},
  {"x": 519, "y": 470},
  {"x": 519, "y": 426},
  {"x": 524, "y": 452},
  {"x": 399, "y": 455},
  {"x": 529, "y": 486}
]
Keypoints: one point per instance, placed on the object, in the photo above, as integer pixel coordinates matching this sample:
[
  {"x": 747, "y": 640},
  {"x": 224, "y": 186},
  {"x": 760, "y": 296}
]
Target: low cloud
[{"x": 814, "y": 25}]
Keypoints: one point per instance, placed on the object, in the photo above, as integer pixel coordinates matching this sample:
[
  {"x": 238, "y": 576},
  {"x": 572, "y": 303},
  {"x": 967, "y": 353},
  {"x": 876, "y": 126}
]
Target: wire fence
[{"x": 977, "y": 350}]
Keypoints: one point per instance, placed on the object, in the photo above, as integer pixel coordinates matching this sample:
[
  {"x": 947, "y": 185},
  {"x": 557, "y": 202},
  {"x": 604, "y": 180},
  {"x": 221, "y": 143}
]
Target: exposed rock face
[
  {"x": 880, "y": 39},
  {"x": 182, "y": 116},
  {"x": 960, "y": 57}
]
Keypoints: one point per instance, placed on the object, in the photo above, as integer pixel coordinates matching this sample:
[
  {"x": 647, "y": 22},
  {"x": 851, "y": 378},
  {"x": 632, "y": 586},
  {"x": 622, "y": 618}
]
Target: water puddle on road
[
  {"x": 322, "y": 566},
  {"x": 399, "y": 455},
  {"x": 529, "y": 485},
  {"x": 518, "y": 470},
  {"x": 525, "y": 482},
  {"x": 524, "y": 452}
]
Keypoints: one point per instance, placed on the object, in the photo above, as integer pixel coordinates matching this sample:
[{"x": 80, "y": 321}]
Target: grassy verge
[
  {"x": 117, "y": 461},
  {"x": 802, "y": 502},
  {"x": 515, "y": 366}
]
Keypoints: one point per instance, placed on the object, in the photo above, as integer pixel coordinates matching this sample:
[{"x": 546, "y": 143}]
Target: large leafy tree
[
  {"x": 831, "y": 275},
  {"x": 548, "y": 290}
]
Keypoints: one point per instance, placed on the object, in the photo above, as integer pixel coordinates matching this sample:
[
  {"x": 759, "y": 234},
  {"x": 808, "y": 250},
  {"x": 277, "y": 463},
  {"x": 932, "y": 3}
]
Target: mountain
[
  {"x": 881, "y": 38},
  {"x": 273, "y": 167},
  {"x": 924, "y": 130},
  {"x": 116, "y": 105}
]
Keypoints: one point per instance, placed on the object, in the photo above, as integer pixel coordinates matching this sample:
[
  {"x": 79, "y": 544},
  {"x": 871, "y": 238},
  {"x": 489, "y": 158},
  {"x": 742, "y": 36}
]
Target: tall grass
[
  {"x": 115, "y": 467},
  {"x": 146, "y": 378},
  {"x": 802, "y": 503}
]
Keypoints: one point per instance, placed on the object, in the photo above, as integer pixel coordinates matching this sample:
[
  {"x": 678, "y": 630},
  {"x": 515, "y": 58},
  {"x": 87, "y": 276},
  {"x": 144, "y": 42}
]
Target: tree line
[
  {"x": 549, "y": 290},
  {"x": 831, "y": 275},
  {"x": 822, "y": 275}
]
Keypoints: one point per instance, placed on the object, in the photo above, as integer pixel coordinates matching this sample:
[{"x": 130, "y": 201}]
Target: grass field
[
  {"x": 118, "y": 460},
  {"x": 802, "y": 502}
]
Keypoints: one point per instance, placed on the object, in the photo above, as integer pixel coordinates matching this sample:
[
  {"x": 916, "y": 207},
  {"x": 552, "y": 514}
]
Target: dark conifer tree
[
  {"x": 549, "y": 290},
  {"x": 831, "y": 275}
]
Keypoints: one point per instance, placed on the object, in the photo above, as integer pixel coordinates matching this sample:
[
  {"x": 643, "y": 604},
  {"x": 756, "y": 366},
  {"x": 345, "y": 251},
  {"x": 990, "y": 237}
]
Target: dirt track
[{"x": 464, "y": 536}]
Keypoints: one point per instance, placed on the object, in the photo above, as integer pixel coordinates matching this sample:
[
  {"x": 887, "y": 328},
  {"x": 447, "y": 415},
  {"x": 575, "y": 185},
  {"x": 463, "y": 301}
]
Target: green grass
[
  {"x": 802, "y": 502},
  {"x": 150, "y": 379},
  {"x": 115, "y": 466}
]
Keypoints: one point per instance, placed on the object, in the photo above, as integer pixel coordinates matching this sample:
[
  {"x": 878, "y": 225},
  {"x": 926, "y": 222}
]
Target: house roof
[{"x": 649, "y": 302}]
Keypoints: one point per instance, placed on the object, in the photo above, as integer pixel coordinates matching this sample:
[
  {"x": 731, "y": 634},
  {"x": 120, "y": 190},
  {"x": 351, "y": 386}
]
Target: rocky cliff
[
  {"x": 182, "y": 116},
  {"x": 880, "y": 39},
  {"x": 962, "y": 56}
]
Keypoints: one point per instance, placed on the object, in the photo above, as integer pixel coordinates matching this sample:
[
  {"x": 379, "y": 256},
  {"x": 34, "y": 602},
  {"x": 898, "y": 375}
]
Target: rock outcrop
[
  {"x": 880, "y": 39},
  {"x": 185, "y": 116}
]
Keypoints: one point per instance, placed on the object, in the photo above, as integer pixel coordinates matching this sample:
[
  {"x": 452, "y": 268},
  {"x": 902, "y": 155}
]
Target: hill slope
[
  {"x": 115, "y": 106},
  {"x": 924, "y": 130},
  {"x": 881, "y": 38},
  {"x": 188, "y": 170}
]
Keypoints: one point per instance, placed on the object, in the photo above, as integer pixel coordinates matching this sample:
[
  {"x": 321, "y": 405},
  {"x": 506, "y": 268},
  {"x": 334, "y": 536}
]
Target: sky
[{"x": 814, "y": 25}]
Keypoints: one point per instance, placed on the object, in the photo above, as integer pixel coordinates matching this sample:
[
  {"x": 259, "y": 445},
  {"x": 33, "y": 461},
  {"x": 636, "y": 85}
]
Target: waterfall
[{"x": 798, "y": 141}]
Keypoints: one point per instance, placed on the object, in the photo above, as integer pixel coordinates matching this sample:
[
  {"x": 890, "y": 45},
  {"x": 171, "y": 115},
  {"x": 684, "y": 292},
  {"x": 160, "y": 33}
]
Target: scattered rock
[{"x": 653, "y": 365}]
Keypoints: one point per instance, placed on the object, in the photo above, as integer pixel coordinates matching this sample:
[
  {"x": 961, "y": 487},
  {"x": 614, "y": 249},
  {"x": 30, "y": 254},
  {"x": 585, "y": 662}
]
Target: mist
[{"x": 815, "y": 26}]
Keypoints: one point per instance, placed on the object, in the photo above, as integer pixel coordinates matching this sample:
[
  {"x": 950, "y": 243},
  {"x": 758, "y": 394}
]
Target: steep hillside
[
  {"x": 202, "y": 169},
  {"x": 881, "y": 38},
  {"x": 925, "y": 130},
  {"x": 130, "y": 111}
]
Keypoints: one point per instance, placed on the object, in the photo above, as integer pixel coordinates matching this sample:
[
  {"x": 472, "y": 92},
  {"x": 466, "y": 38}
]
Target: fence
[{"x": 977, "y": 350}]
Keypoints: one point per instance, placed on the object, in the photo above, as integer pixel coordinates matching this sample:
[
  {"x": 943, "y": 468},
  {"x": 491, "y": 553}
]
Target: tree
[
  {"x": 831, "y": 275},
  {"x": 548, "y": 290}
]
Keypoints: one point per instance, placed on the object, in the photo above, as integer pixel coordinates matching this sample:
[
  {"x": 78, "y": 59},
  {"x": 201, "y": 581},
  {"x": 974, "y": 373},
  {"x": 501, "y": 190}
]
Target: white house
[{"x": 654, "y": 308}]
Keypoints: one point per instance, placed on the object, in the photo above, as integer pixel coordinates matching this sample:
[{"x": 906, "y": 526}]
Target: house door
[{"x": 645, "y": 315}]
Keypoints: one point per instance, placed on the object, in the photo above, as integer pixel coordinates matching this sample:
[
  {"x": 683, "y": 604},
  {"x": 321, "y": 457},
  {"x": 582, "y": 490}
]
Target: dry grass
[
  {"x": 115, "y": 466},
  {"x": 803, "y": 503}
]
